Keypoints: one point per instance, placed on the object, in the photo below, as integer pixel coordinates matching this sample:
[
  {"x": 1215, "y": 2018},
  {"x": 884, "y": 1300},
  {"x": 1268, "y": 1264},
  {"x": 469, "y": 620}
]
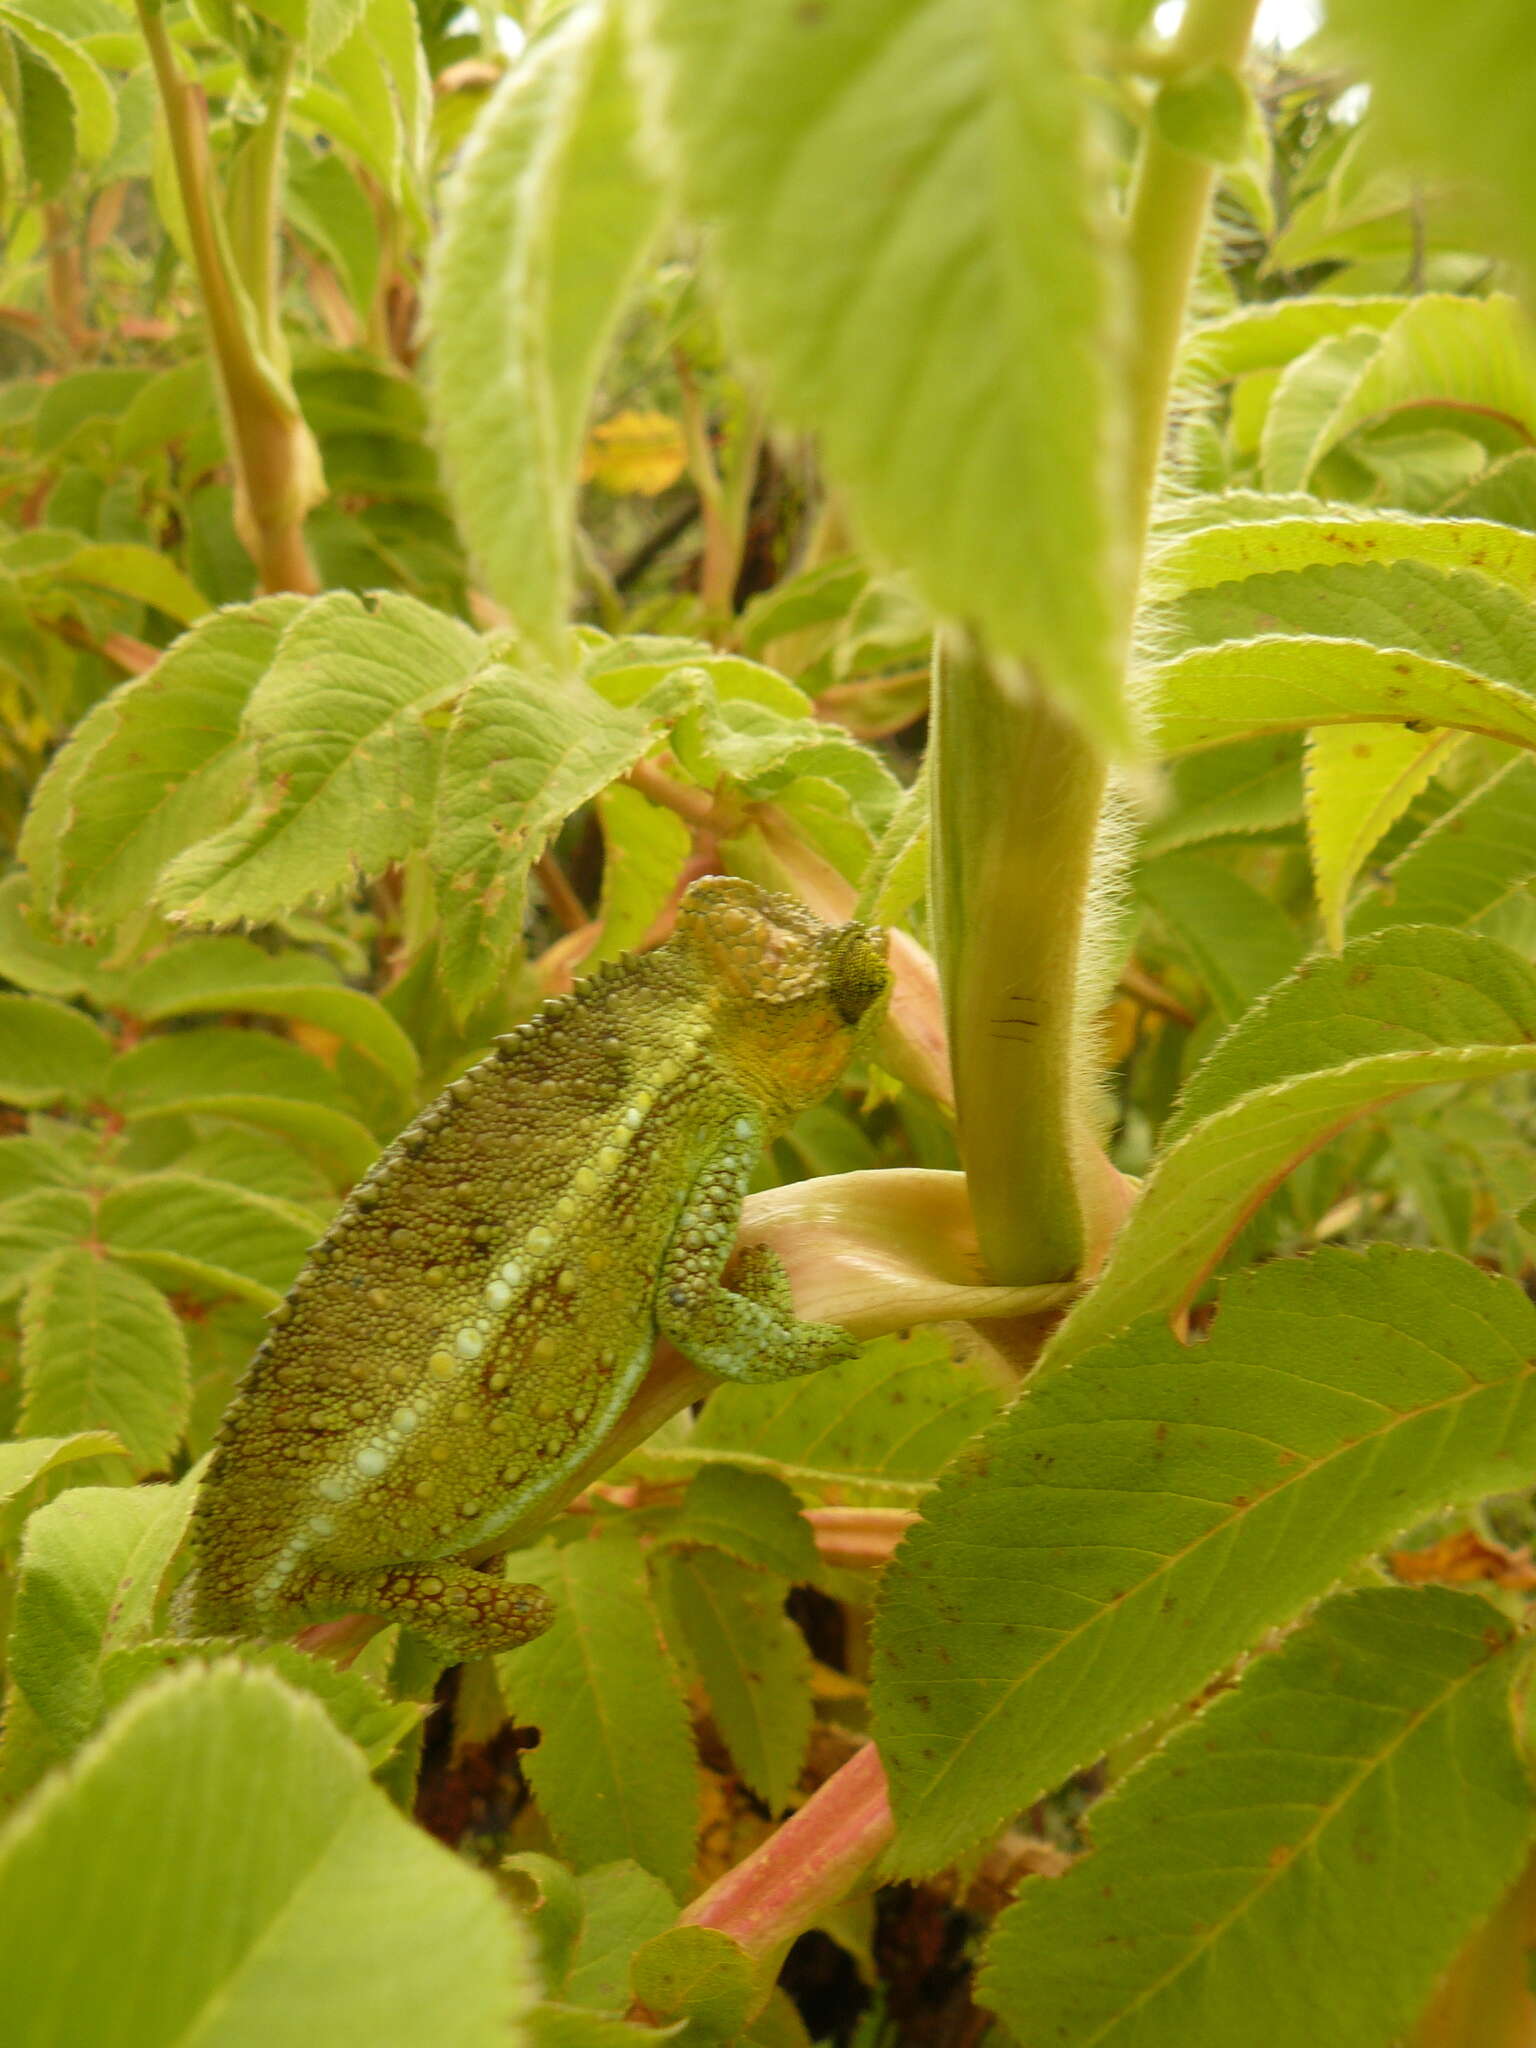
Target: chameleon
[{"x": 486, "y": 1301}]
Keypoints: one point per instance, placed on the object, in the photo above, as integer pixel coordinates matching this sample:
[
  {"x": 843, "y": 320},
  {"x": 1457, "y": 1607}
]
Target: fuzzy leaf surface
[
  {"x": 157, "y": 765},
  {"x": 1132, "y": 1524},
  {"x": 1230, "y": 552},
  {"x": 282, "y": 1882},
  {"x": 1358, "y": 1799},
  {"x": 932, "y": 293},
  {"x": 521, "y": 755},
  {"x": 346, "y": 764},
  {"x": 1360, "y": 780}
]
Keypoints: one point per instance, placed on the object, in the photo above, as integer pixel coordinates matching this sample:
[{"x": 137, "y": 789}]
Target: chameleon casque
[{"x": 486, "y": 1302}]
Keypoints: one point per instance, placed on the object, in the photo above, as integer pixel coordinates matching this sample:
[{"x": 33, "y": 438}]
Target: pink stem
[{"x": 810, "y": 1863}]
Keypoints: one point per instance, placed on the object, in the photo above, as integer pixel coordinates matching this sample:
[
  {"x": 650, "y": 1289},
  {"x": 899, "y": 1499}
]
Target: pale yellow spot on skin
[
  {"x": 566, "y": 1280},
  {"x": 545, "y": 1348},
  {"x": 442, "y": 1365}
]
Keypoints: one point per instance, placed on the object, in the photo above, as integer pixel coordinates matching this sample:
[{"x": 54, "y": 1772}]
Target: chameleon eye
[{"x": 858, "y": 977}]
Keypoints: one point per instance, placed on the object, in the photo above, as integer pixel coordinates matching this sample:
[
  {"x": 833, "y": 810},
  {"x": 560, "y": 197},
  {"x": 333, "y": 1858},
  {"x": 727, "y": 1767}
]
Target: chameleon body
[{"x": 486, "y": 1303}]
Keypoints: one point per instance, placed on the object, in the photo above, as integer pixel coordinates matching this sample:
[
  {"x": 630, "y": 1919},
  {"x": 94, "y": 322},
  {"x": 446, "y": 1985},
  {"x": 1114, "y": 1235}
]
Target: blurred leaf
[
  {"x": 1205, "y": 113},
  {"x": 638, "y": 452},
  {"x": 249, "y": 1077},
  {"x": 698, "y": 1974},
  {"x": 91, "y": 97},
  {"x": 101, "y": 1349},
  {"x": 284, "y": 1882},
  {"x": 545, "y": 223},
  {"x": 355, "y": 1706},
  {"x": 1252, "y": 787},
  {"x": 214, "y": 1236},
  {"x": 1237, "y": 940},
  {"x": 49, "y": 1053}
]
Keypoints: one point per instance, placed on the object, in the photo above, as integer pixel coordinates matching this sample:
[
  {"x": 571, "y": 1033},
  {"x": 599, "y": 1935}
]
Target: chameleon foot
[{"x": 462, "y": 1612}]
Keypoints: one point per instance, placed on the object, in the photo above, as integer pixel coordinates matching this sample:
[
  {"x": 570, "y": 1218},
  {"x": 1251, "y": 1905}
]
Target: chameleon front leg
[
  {"x": 462, "y": 1612},
  {"x": 750, "y": 1332}
]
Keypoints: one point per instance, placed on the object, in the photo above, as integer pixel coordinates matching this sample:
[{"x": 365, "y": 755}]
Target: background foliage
[{"x": 466, "y": 474}]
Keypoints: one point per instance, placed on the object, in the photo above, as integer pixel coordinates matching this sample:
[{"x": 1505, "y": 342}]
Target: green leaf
[
  {"x": 356, "y": 1707},
  {"x": 45, "y": 122},
  {"x": 250, "y": 1077},
  {"x": 1360, "y": 780},
  {"x": 73, "y": 1557},
  {"x": 1266, "y": 337},
  {"x": 644, "y": 849},
  {"x": 752, "y": 1516},
  {"x": 1469, "y": 865},
  {"x": 614, "y": 1770},
  {"x": 897, "y": 874},
  {"x": 135, "y": 572},
  {"x": 1281, "y": 684},
  {"x": 205, "y": 1232},
  {"x": 153, "y": 768},
  {"x": 698, "y": 1974},
  {"x": 753, "y": 1661},
  {"x": 346, "y": 762},
  {"x": 1455, "y": 91},
  {"x": 1226, "y": 553},
  {"x": 1133, "y": 1524},
  {"x": 966, "y": 356},
  {"x": 22, "y": 1464},
  {"x": 892, "y": 1417},
  {"x": 136, "y": 1606},
  {"x": 1312, "y": 393},
  {"x": 208, "y": 975},
  {"x": 521, "y": 755},
  {"x": 624, "y": 1907},
  {"x": 1416, "y": 1007},
  {"x": 34, "y": 1224},
  {"x": 281, "y": 1882},
  {"x": 1238, "y": 941},
  {"x": 164, "y": 409},
  {"x": 1251, "y": 787},
  {"x": 1357, "y": 1801},
  {"x": 49, "y": 1053},
  {"x": 1470, "y": 353},
  {"x": 545, "y": 225},
  {"x": 101, "y": 1349},
  {"x": 1205, "y": 113},
  {"x": 91, "y": 97}
]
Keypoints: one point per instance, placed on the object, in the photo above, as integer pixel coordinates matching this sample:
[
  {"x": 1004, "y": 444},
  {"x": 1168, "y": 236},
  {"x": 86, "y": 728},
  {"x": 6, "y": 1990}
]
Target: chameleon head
[{"x": 792, "y": 996}]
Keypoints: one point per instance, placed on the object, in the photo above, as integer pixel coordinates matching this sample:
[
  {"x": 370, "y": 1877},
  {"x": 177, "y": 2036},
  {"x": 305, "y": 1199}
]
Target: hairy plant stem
[
  {"x": 1018, "y": 793},
  {"x": 276, "y": 463}
]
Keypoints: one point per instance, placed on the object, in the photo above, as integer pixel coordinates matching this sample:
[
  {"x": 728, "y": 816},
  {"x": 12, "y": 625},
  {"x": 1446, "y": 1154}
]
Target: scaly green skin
[{"x": 485, "y": 1304}]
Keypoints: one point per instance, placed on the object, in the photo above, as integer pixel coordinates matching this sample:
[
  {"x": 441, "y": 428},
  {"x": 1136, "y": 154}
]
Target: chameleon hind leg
[
  {"x": 748, "y": 1331},
  {"x": 460, "y": 1611}
]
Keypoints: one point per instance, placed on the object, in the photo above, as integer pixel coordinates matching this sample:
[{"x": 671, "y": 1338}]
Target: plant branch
[{"x": 276, "y": 463}]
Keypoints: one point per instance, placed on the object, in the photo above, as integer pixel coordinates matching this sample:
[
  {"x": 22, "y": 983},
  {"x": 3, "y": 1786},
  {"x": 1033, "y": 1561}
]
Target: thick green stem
[
  {"x": 276, "y": 464},
  {"x": 255, "y": 206},
  {"x": 1017, "y": 796}
]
